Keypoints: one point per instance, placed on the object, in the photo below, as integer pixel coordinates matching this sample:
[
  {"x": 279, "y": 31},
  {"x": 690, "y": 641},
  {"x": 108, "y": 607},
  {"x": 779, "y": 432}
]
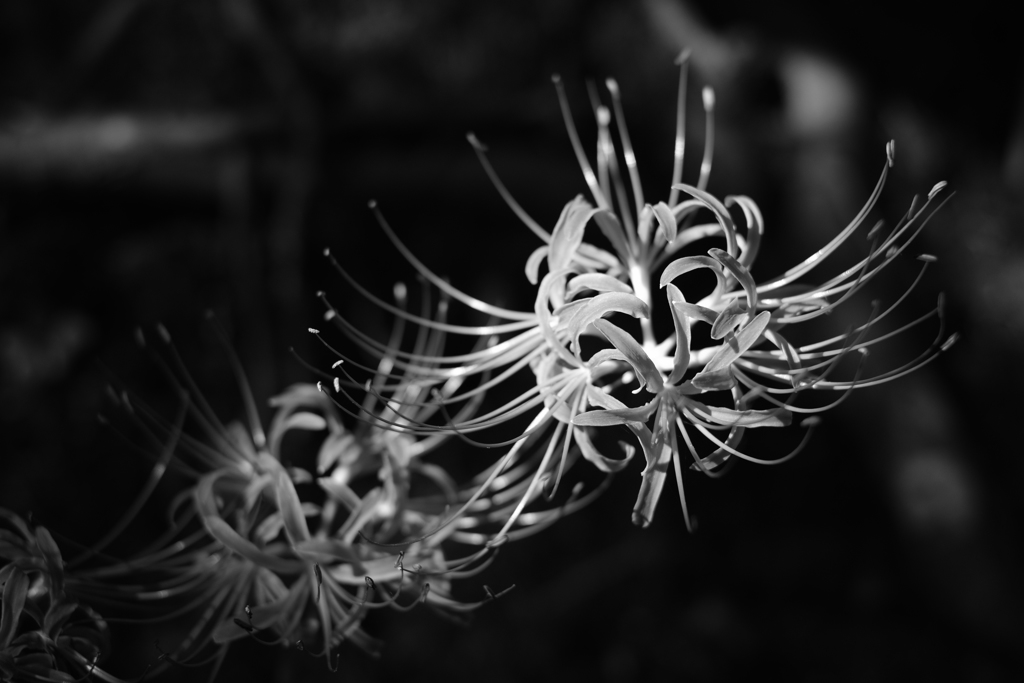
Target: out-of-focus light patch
[
  {"x": 934, "y": 494},
  {"x": 822, "y": 97},
  {"x": 1002, "y": 295}
]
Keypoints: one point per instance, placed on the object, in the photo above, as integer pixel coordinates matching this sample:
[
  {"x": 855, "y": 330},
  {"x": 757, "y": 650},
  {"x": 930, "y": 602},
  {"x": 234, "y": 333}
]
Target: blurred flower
[
  {"x": 596, "y": 343},
  {"x": 45, "y": 634},
  {"x": 257, "y": 551}
]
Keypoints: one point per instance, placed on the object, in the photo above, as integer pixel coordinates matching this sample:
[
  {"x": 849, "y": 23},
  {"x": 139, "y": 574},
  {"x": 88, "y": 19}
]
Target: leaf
[{"x": 634, "y": 353}]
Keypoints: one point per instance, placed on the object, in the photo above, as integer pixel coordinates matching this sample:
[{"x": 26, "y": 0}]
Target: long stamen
[
  {"x": 679, "y": 149},
  {"x": 574, "y": 138}
]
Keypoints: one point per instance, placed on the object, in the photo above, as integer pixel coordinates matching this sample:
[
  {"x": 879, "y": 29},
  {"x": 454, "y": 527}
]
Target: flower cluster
[
  {"x": 647, "y": 322},
  {"x": 284, "y": 553}
]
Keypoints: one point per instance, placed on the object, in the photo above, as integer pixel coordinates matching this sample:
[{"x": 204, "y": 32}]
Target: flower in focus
[{"x": 621, "y": 333}]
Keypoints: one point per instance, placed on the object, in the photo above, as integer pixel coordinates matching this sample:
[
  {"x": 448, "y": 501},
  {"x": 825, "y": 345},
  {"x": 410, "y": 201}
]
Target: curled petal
[
  {"x": 736, "y": 345},
  {"x": 596, "y": 458},
  {"x": 728, "y": 417},
  {"x": 634, "y": 353}
]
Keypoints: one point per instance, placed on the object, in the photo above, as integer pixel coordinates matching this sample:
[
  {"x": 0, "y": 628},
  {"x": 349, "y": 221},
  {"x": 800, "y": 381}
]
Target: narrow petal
[
  {"x": 728, "y": 417},
  {"x": 634, "y": 353},
  {"x": 596, "y": 458},
  {"x": 736, "y": 345},
  {"x": 681, "y": 322}
]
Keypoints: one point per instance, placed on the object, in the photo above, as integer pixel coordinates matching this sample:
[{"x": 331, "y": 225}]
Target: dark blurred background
[{"x": 160, "y": 159}]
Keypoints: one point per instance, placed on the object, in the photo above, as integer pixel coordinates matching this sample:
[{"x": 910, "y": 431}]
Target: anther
[
  {"x": 709, "y": 98},
  {"x": 475, "y": 141},
  {"x": 313, "y": 330},
  {"x": 937, "y": 189}
]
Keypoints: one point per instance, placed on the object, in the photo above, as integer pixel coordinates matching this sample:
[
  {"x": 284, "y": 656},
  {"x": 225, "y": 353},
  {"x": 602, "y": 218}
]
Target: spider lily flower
[
  {"x": 45, "y": 633},
  {"x": 257, "y": 551},
  {"x": 664, "y": 383}
]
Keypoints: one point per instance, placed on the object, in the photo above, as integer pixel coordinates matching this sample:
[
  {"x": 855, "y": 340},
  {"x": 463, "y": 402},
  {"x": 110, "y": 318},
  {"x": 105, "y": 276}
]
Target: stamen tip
[
  {"x": 556, "y": 79},
  {"x": 337, "y": 385},
  {"x": 400, "y": 291},
  {"x": 329, "y": 314},
  {"x": 337, "y": 363},
  {"x": 683, "y": 57},
  {"x": 327, "y": 251},
  {"x": 809, "y": 422},
  {"x": 949, "y": 342},
  {"x": 475, "y": 141},
  {"x": 613, "y": 86},
  {"x": 709, "y": 98},
  {"x": 164, "y": 334},
  {"x": 372, "y": 204},
  {"x": 313, "y": 330},
  {"x": 604, "y": 117},
  {"x": 927, "y": 258},
  {"x": 890, "y": 152},
  {"x": 936, "y": 189}
]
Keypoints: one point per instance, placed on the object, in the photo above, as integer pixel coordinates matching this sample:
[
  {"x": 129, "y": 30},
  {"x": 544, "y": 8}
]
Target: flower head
[
  {"x": 621, "y": 334},
  {"x": 289, "y": 550}
]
